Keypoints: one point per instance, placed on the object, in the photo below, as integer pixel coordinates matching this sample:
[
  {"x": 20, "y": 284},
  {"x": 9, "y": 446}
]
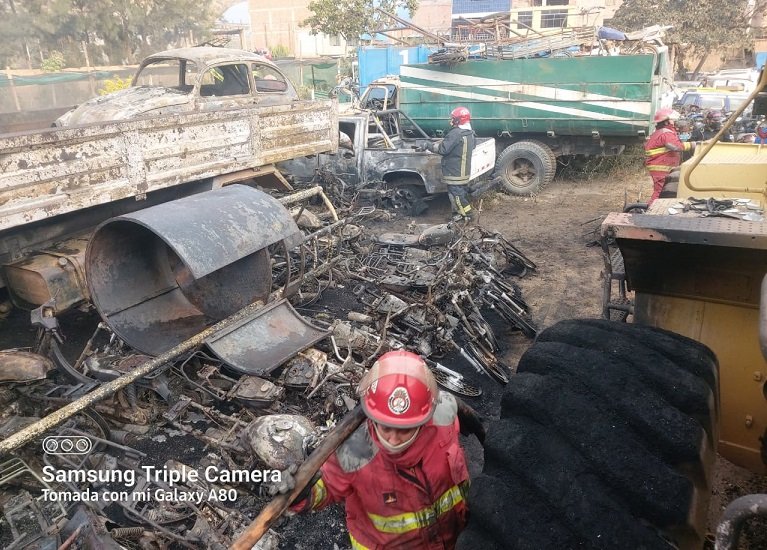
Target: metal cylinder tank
[{"x": 161, "y": 275}]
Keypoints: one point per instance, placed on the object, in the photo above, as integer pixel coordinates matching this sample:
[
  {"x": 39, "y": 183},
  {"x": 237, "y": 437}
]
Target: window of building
[
  {"x": 335, "y": 39},
  {"x": 544, "y": 3},
  {"x": 524, "y": 19},
  {"x": 554, "y": 19}
]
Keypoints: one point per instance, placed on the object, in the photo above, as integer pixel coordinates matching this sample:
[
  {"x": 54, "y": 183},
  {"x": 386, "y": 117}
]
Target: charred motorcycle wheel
[
  {"x": 525, "y": 167},
  {"x": 605, "y": 440}
]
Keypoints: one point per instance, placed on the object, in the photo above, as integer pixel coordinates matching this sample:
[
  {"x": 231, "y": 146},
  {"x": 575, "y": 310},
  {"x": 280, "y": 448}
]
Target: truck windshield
[{"x": 176, "y": 74}]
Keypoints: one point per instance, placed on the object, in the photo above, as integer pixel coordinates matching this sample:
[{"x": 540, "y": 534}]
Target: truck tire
[
  {"x": 408, "y": 195},
  {"x": 525, "y": 167},
  {"x": 590, "y": 453}
]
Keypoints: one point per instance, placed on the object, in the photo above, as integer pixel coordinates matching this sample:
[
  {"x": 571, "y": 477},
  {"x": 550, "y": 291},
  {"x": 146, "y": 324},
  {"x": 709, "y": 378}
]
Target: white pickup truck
[{"x": 377, "y": 149}]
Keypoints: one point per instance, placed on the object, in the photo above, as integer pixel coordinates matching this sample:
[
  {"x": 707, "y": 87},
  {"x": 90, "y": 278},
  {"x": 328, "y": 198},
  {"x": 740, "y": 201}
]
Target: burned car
[
  {"x": 189, "y": 80},
  {"x": 379, "y": 149}
]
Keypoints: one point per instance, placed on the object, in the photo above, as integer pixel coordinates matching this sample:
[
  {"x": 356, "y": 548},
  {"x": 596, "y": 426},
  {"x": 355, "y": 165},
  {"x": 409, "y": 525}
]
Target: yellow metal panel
[
  {"x": 732, "y": 332},
  {"x": 734, "y": 169}
]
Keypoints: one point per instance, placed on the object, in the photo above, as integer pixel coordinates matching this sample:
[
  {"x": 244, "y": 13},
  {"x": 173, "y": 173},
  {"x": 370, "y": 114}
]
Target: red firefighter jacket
[
  {"x": 412, "y": 500},
  {"x": 658, "y": 157}
]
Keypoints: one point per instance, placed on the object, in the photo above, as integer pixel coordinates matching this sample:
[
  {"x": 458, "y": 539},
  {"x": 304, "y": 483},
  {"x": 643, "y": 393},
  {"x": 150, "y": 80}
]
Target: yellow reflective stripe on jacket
[
  {"x": 656, "y": 151},
  {"x": 319, "y": 493},
  {"x": 356, "y": 545},
  {"x": 464, "y": 156},
  {"x": 409, "y": 521}
]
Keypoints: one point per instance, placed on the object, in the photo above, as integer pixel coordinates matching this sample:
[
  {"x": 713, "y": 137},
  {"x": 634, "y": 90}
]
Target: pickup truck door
[
  {"x": 347, "y": 163},
  {"x": 389, "y": 157}
]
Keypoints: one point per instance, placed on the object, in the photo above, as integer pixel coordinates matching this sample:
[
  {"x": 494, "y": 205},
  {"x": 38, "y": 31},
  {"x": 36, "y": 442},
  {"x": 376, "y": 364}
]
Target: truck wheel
[
  {"x": 408, "y": 196},
  {"x": 525, "y": 167},
  {"x": 589, "y": 451}
]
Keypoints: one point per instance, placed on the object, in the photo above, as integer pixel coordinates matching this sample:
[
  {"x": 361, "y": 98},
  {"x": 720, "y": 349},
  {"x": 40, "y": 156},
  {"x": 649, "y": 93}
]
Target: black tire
[
  {"x": 525, "y": 167},
  {"x": 591, "y": 440},
  {"x": 408, "y": 197},
  {"x": 674, "y": 359}
]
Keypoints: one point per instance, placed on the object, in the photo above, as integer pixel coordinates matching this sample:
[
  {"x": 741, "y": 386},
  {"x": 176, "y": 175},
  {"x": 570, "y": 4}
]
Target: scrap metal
[{"x": 429, "y": 291}]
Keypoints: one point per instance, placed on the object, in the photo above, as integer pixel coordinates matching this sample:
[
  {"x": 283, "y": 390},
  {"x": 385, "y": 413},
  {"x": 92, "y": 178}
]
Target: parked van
[
  {"x": 703, "y": 100},
  {"x": 729, "y": 84}
]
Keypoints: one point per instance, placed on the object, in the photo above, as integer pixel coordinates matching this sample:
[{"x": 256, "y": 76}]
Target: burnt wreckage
[{"x": 232, "y": 329}]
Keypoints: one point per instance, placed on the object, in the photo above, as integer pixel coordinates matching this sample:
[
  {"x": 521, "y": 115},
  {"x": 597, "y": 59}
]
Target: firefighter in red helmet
[
  {"x": 456, "y": 150},
  {"x": 402, "y": 474},
  {"x": 663, "y": 151}
]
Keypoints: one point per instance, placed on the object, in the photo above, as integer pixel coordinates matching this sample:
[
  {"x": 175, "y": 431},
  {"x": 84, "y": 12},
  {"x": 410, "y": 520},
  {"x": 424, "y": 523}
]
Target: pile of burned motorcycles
[{"x": 181, "y": 457}]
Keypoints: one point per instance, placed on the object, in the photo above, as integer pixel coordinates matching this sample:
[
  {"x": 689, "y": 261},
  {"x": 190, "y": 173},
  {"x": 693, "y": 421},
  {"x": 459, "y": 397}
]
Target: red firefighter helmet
[
  {"x": 460, "y": 115},
  {"x": 399, "y": 391},
  {"x": 665, "y": 114}
]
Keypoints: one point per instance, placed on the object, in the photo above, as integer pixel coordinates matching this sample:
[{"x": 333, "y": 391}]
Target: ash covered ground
[{"x": 556, "y": 230}]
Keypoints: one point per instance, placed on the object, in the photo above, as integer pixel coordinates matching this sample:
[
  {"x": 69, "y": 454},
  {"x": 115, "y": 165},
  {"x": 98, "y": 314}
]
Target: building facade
[{"x": 277, "y": 26}]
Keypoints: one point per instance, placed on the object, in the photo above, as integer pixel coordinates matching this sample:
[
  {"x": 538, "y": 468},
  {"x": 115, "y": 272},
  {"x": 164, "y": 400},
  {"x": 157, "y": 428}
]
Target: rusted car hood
[{"x": 125, "y": 104}]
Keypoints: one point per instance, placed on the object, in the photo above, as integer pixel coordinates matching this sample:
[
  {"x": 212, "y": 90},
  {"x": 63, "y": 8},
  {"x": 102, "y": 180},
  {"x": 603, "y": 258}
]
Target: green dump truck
[{"x": 536, "y": 109}]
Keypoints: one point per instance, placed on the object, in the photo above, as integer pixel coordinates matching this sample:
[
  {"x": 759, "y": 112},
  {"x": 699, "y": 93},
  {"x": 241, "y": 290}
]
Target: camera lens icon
[{"x": 67, "y": 445}]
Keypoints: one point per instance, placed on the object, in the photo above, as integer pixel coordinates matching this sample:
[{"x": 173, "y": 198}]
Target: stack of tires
[{"x": 606, "y": 440}]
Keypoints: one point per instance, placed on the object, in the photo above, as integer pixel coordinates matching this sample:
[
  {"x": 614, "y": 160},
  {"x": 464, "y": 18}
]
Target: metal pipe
[
  {"x": 105, "y": 390},
  {"x": 72, "y": 538},
  {"x": 710, "y": 144},
  {"x": 733, "y": 517},
  {"x": 308, "y": 193},
  {"x": 58, "y": 417}
]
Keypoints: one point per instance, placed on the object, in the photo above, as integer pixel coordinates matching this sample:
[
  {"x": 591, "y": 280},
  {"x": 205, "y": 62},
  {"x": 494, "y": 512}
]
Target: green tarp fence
[
  {"x": 320, "y": 76},
  {"x": 53, "y": 78}
]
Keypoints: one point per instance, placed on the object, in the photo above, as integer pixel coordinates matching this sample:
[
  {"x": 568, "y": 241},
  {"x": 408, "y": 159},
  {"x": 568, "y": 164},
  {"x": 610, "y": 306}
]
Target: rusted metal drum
[{"x": 161, "y": 275}]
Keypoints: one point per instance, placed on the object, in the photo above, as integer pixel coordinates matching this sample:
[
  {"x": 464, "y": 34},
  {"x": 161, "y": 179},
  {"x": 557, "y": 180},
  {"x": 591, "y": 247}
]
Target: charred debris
[{"x": 229, "y": 347}]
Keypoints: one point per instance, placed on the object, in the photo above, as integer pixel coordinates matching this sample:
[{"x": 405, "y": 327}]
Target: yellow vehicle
[{"x": 697, "y": 265}]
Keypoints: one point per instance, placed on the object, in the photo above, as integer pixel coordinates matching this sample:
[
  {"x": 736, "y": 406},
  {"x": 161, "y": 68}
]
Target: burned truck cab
[{"x": 378, "y": 151}]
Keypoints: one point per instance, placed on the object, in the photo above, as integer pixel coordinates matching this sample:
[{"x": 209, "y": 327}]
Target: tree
[
  {"x": 15, "y": 25},
  {"x": 699, "y": 26},
  {"x": 121, "y": 31},
  {"x": 352, "y": 18}
]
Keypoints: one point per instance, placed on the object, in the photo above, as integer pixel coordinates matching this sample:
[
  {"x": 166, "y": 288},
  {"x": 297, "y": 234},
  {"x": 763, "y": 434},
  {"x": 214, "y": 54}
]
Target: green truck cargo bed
[{"x": 569, "y": 96}]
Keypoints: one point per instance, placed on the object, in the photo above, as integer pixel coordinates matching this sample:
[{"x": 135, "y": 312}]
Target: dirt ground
[{"x": 557, "y": 229}]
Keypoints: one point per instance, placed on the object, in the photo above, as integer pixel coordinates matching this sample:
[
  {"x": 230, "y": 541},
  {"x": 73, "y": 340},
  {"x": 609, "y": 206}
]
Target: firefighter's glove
[
  {"x": 470, "y": 421},
  {"x": 422, "y": 145},
  {"x": 286, "y": 484}
]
